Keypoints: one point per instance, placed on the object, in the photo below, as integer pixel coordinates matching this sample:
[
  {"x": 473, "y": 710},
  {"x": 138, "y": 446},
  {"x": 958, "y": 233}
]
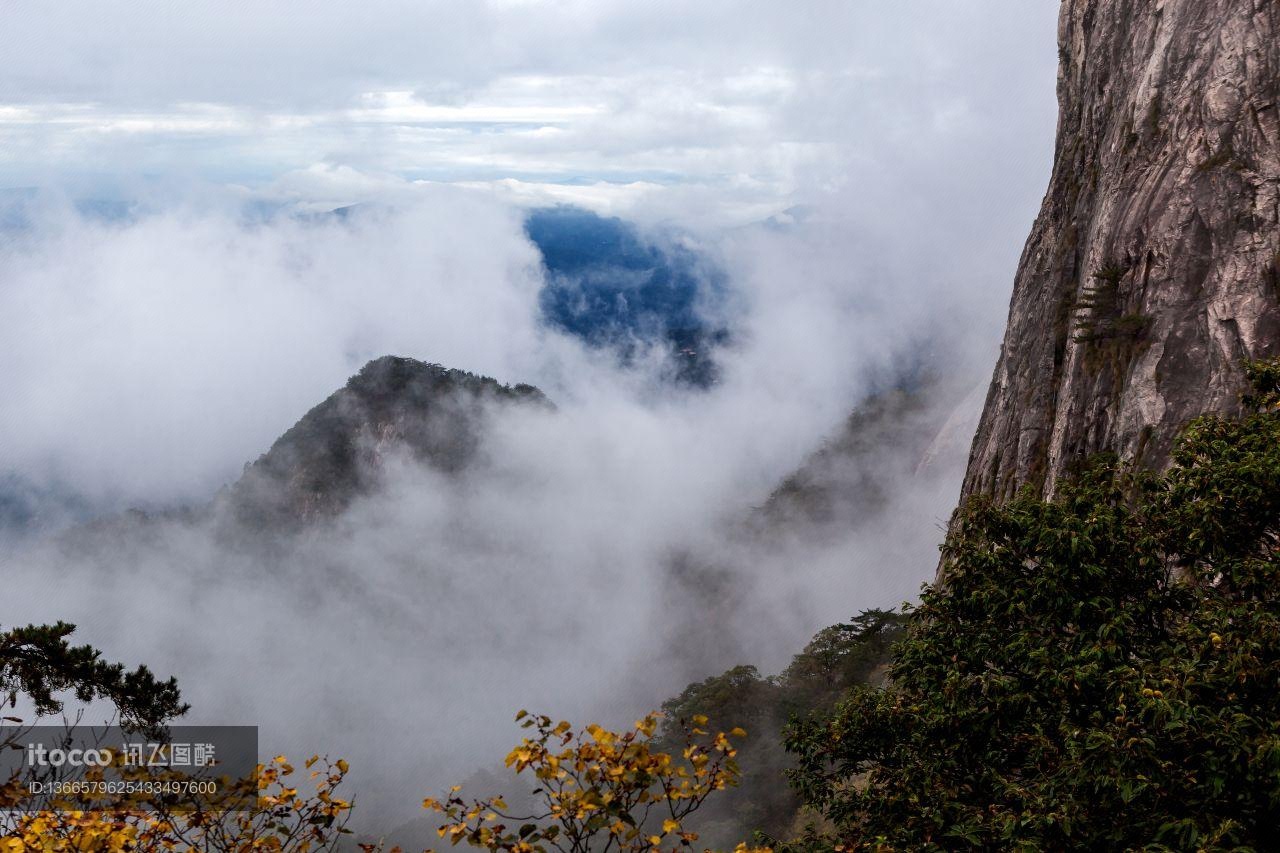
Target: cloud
[
  {"x": 754, "y": 104},
  {"x": 147, "y": 355},
  {"x": 152, "y": 357}
]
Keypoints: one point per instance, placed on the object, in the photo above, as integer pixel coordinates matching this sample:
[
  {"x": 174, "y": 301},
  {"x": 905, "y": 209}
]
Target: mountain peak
[
  {"x": 393, "y": 380},
  {"x": 336, "y": 452}
]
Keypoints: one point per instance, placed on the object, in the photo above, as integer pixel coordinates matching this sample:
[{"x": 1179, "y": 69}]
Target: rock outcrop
[{"x": 1153, "y": 268}]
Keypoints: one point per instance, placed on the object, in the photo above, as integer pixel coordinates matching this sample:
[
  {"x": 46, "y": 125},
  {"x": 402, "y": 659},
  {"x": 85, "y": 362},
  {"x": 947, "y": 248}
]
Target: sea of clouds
[{"x": 153, "y": 343}]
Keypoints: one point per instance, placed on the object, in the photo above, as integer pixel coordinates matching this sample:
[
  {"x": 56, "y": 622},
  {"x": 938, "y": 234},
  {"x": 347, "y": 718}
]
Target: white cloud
[
  {"x": 147, "y": 360},
  {"x": 709, "y": 94},
  {"x": 155, "y": 357}
]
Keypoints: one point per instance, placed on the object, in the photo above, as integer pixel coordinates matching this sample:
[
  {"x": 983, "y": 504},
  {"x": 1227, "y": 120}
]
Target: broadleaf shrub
[{"x": 1100, "y": 671}]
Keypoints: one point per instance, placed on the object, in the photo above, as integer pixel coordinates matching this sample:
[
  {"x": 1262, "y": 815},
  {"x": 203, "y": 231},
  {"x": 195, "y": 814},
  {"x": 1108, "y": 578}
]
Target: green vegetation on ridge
[{"x": 1097, "y": 672}]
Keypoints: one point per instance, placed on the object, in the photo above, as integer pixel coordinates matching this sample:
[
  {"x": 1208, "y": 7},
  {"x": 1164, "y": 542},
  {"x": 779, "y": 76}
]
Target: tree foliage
[
  {"x": 38, "y": 661},
  {"x": 839, "y": 657},
  {"x": 1099, "y": 671},
  {"x": 598, "y": 790},
  {"x": 283, "y": 816}
]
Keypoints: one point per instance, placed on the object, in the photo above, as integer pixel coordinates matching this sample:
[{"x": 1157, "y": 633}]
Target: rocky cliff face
[{"x": 1153, "y": 268}]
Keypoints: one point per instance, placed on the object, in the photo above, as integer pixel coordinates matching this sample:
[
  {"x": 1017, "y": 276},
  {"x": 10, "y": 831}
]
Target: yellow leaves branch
[{"x": 597, "y": 789}]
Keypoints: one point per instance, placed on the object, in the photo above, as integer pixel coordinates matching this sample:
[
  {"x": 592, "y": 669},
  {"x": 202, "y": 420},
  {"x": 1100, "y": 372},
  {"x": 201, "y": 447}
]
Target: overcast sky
[
  {"x": 746, "y": 104},
  {"x": 917, "y": 136}
]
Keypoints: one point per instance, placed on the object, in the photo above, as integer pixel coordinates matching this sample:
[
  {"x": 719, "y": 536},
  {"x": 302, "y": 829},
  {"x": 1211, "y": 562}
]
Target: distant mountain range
[
  {"x": 615, "y": 287},
  {"x": 608, "y": 282},
  {"x": 401, "y": 408}
]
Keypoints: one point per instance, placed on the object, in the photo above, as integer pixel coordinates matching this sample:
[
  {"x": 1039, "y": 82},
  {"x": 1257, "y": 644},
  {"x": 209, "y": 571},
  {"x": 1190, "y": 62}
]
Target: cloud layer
[
  {"x": 150, "y": 357},
  {"x": 147, "y": 355},
  {"x": 745, "y": 105}
]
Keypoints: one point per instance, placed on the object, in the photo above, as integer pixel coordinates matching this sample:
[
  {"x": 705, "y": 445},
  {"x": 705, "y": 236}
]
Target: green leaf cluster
[
  {"x": 40, "y": 662},
  {"x": 839, "y": 657},
  {"x": 1099, "y": 672}
]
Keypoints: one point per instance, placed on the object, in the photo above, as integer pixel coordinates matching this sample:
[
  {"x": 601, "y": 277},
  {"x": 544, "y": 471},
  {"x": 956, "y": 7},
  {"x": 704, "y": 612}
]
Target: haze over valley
[{"x": 379, "y": 375}]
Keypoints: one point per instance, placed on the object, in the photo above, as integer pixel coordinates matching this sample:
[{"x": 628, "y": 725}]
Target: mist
[
  {"x": 406, "y": 634},
  {"x": 865, "y": 199}
]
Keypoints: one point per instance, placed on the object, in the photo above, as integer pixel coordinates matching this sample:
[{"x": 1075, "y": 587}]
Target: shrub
[{"x": 1099, "y": 671}]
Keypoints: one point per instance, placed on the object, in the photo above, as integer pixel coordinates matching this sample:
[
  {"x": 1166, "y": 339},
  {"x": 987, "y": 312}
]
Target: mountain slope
[
  {"x": 334, "y": 453},
  {"x": 851, "y": 478},
  {"x": 1151, "y": 272}
]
